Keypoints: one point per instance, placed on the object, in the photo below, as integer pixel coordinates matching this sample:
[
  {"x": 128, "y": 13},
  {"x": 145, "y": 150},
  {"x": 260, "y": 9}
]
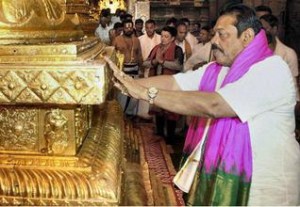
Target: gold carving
[
  {"x": 18, "y": 129},
  {"x": 33, "y": 21},
  {"x": 56, "y": 132},
  {"x": 92, "y": 177},
  {"x": 51, "y": 153},
  {"x": 20, "y": 11},
  {"x": 81, "y": 124},
  {"x": 88, "y": 16},
  {"x": 65, "y": 85}
]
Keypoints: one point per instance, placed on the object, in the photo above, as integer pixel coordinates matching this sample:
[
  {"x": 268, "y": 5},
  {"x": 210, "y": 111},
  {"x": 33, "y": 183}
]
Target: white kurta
[
  {"x": 147, "y": 44},
  {"x": 265, "y": 98}
]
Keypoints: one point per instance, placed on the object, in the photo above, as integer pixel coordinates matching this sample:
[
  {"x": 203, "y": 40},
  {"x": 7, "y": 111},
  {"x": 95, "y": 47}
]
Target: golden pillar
[{"x": 54, "y": 148}]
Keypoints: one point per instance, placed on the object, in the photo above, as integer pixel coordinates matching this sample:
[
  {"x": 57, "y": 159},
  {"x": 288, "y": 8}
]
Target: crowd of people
[
  {"x": 237, "y": 84},
  {"x": 178, "y": 46}
]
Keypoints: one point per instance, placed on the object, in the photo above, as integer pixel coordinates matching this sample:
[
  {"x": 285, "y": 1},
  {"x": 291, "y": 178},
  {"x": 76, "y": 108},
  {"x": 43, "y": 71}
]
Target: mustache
[{"x": 216, "y": 47}]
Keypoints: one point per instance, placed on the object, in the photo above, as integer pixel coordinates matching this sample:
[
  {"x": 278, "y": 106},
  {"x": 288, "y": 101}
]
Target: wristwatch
[{"x": 152, "y": 93}]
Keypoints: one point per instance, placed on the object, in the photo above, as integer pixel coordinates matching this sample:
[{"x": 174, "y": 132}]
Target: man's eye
[{"x": 222, "y": 34}]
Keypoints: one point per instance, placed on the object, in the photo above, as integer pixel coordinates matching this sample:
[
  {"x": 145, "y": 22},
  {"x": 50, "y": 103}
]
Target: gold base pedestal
[{"x": 91, "y": 177}]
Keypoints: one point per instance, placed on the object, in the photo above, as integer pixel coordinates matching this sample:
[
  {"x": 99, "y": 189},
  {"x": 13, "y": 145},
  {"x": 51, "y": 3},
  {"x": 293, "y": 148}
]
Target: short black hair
[
  {"x": 125, "y": 21},
  {"x": 271, "y": 19},
  {"x": 118, "y": 25},
  {"x": 105, "y": 13},
  {"x": 245, "y": 18},
  {"x": 150, "y": 21},
  {"x": 139, "y": 21},
  {"x": 263, "y": 8},
  {"x": 172, "y": 20},
  {"x": 126, "y": 16},
  {"x": 185, "y": 20},
  {"x": 206, "y": 28},
  {"x": 180, "y": 23},
  {"x": 171, "y": 30}
]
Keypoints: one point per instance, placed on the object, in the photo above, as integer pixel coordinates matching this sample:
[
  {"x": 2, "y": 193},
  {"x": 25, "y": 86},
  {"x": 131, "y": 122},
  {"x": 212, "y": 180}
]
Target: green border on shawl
[{"x": 217, "y": 189}]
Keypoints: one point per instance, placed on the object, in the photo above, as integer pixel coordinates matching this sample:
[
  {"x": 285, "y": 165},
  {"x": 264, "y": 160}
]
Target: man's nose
[{"x": 215, "y": 40}]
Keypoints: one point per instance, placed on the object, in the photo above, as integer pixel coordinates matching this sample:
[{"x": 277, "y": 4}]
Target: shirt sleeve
[
  {"x": 264, "y": 87},
  {"x": 189, "y": 81}
]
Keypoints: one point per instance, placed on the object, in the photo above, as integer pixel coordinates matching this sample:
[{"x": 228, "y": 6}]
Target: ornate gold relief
[
  {"x": 92, "y": 177},
  {"x": 81, "y": 124},
  {"x": 20, "y": 11},
  {"x": 43, "y": 130},
  {"x": 56, "y": 132},
  {"x": 65, "y": 85},
  {"x": 18, "y": 129},
  {"x": 32, "y": 21}
]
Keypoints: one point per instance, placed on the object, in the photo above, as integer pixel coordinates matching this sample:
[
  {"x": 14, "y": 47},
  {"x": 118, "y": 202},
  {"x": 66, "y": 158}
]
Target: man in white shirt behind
[
  {"x": 105, "y": 25},
  {"x": 148, "y": 42},
  {"x": 150, "y": 39},
  {"x": 270, "y": 24},
  {"x": 189, "y": 37},
  {"x": 201, "y": 53}
]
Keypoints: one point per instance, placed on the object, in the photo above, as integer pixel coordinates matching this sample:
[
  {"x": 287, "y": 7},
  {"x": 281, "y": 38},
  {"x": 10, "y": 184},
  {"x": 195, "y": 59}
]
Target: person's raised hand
[{"x": 125, "y": 83}]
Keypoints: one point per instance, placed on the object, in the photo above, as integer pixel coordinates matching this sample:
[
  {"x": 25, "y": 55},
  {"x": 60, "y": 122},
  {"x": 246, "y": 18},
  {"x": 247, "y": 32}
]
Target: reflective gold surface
[
  {"x": 61, "y": 141},
  {"x": 37, "y": 21},
  {"x": 92, "y": 177},
  {"x": 43, "y": 130},
  {"x": 87, "y": 13}
]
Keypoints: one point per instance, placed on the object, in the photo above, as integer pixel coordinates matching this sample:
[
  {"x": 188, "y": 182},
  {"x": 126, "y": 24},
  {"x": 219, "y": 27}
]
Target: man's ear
[{"x": 247, "y": 36}]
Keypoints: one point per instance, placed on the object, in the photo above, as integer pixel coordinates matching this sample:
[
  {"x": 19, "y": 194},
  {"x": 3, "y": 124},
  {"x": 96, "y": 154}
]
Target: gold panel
[
  {"x": 55, "y": 148},
  {"x": 92, "y": 177},
  {"x": 82, "y": 122},
  {"x": 65, "y": 73},
  {"x": 37, "y": 21},
  {"x": 19, "y": 129},
  {"x": 82, "y": 84},
  {"x": 69, "y": 53},
  {"x": 87, "y": 14},
  {"x": 41, "y": 130}
]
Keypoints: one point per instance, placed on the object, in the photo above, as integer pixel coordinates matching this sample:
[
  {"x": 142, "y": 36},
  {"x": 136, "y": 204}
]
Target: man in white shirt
[
  {"x": 105, "y": 25},
  {"x": 201, "y": 53},
  {"x": 240, "y": 147},
  {"x": 189, "y": 37},
  {"x": 270, "y": 24},
  {"x": 181, "y": 41},
  {"x": 150, "y": 39}
]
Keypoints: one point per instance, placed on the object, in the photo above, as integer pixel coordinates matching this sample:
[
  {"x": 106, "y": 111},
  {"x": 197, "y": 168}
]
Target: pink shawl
[{"x": 227, "y": 146}]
